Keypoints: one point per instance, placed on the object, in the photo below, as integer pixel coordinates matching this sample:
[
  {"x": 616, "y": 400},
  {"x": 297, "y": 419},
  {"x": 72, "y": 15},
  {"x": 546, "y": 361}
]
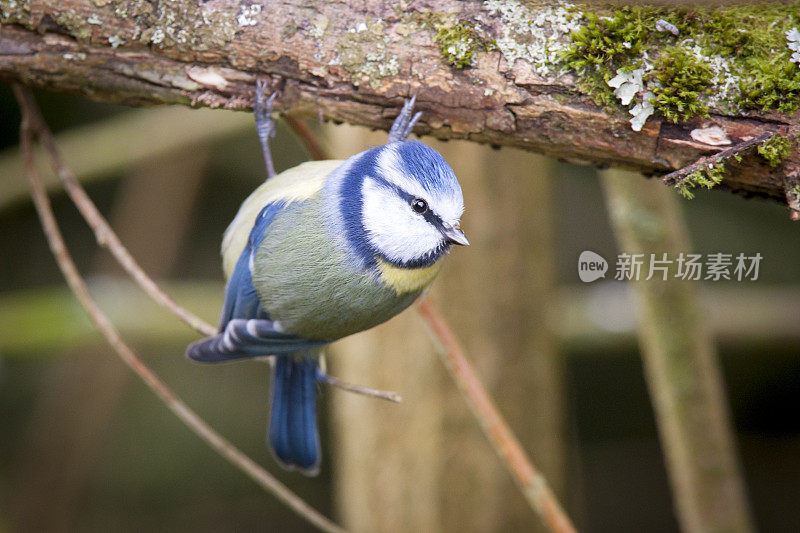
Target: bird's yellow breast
[{"x": 406, "y": 280}]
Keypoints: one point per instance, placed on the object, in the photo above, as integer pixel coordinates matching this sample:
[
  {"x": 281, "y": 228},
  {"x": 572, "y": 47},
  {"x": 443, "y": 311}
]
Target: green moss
[
  {"x": 458, "y": 41},
  {"x": 737, "y": 56},
  {"x": 772, "y": 84},
  {"x": 606, "y": 43},
  {"x": 597, "y": 88},
  {"x": 680, "y": 81},
  {"x": 776, "y": 150},
  {"x": 707, "y": 177},
  {"x": 458, "y": 44}
]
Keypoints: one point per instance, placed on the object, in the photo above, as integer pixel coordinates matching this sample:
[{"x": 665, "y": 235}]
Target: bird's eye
[{"x": 419, "y": 205}]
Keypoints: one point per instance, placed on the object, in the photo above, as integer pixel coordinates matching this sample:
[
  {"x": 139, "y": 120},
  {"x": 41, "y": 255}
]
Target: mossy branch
[{"x": 502, "y": 72}]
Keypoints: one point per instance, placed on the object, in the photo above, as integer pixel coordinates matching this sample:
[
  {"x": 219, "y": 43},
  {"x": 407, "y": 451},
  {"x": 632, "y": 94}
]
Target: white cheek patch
[{"x": 393, "y": 228}]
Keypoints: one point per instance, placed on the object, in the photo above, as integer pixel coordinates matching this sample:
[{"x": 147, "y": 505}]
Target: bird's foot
[
  {"x": 404, "y": 123},
  {"x": 265, "y": 126}
]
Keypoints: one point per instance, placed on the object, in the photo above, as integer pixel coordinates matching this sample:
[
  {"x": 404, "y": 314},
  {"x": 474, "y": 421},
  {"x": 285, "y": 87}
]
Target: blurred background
[{"x": 85, "y": 446}]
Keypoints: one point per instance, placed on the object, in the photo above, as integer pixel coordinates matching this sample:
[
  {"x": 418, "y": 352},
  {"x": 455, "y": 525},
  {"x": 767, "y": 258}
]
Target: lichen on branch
[{"x": 693, "y": 59}]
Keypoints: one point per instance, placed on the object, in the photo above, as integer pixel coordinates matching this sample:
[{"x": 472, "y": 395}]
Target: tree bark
[{"x": 353, "y": 62}]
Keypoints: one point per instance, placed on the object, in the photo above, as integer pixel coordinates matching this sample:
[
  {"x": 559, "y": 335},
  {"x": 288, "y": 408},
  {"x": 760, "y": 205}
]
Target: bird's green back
[{"x": 297, "y": 183}]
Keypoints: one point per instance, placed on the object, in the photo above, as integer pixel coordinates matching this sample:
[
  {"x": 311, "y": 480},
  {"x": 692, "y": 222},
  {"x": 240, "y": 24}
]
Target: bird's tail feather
[{"x": 293, "y": 434}]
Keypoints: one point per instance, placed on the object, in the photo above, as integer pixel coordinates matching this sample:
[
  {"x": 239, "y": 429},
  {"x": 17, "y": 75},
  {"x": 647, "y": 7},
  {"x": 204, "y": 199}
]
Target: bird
[{"x": 322, "y": 251}]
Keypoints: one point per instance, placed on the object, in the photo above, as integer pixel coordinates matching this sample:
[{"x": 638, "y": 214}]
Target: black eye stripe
[{"x": 434, "y": 219}]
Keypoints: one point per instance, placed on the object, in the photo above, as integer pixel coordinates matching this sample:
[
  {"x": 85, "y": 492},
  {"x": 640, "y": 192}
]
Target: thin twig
[
  {"x": 360, "y": 389},
  {"x": 104, "y": 325},
  {"x": 102, "y": 230},
  {"x": 531, "y": 482},
  {"x": 677, "y": 177},
  {"x": 302, "y": 130}
]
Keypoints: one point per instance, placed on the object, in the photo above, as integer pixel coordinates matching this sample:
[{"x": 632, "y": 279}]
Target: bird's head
[{"x": 402, "y": 204}]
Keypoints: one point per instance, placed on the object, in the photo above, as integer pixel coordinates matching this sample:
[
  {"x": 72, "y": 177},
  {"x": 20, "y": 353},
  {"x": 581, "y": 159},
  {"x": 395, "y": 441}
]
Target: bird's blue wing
[
  {"x": 241, "y": 300},
  {"x": 244, "y": 338},
  {"x": 245, "y": 329}
]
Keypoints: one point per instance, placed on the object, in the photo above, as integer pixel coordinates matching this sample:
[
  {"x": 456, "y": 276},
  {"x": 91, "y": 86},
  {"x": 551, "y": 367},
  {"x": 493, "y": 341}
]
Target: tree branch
[
  {"x": 739, "y": 150},
  {"x": 389, "y": 396},
  {"x": 353, "y": 62}
]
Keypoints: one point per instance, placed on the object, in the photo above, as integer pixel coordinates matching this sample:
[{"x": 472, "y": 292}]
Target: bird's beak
[{"x": 454, "y": 235}]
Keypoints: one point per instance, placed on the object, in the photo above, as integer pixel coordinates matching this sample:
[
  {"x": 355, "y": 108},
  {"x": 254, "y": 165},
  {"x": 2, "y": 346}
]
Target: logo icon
[{"x": 591, "y": 266}]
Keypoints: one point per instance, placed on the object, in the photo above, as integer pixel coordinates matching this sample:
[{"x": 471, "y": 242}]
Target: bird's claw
[
  {"x": 263, "y": 109},
  {"x": 265, "y": 126},
  {"x": 405, "y": 121}
]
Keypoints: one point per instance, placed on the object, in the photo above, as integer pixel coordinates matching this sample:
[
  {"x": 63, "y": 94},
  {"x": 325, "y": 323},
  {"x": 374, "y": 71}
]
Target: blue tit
[{"x": 322, "y": 251}]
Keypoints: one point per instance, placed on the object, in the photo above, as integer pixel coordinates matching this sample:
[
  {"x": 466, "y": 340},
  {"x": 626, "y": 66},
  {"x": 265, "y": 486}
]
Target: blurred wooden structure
[
  {"x": 424, "y": 465},
  {"x": 680, "y": 361}
]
